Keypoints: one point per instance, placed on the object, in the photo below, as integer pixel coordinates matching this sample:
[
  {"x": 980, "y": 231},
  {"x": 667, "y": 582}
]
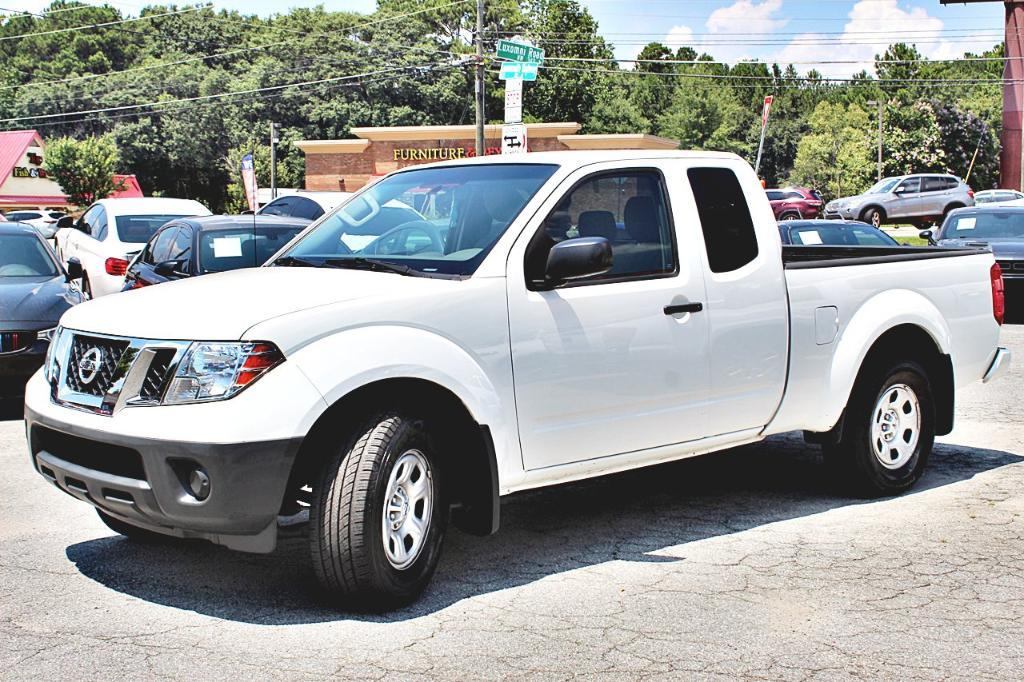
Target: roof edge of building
[
  {"x": 459, "y": 132},
  {"x": 618, "y": 141}
]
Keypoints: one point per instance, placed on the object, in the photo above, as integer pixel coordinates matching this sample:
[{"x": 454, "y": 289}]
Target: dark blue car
[
  {"x": 832, "y": 233},
  {"x": 188, "y": 247},
  {"x": 34, "y": 292}
]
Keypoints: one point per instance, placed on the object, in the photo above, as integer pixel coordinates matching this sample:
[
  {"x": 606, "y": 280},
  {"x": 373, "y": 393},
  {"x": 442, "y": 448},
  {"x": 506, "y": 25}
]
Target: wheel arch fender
[
  {"x": 902, "y": 324},
  {"x": 384, "y": 366},
  {"x": 862, "y": 211}
]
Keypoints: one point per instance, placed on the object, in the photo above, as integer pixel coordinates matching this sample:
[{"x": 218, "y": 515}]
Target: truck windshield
[
  {"x": 439, "y": 221},
  {"x": 883, "y": 186},
  {"x": 984, "y": 225}
]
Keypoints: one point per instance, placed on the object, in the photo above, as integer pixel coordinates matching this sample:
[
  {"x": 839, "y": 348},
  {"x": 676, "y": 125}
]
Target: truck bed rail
[{"x": 805, "y": 257}]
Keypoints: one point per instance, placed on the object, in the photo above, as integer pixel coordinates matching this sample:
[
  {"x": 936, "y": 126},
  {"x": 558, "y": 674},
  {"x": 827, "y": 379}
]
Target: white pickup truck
[{"x": 544, "y": 318}]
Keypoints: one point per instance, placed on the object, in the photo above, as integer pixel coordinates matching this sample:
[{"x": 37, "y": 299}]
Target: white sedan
[
  {"x": 43, "y": 220},
  {"x": 108, "y": 233}
]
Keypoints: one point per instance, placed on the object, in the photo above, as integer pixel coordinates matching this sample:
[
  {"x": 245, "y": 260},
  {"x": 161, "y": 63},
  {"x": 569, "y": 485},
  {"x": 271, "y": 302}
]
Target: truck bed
[{"x": 803, "y": 257}]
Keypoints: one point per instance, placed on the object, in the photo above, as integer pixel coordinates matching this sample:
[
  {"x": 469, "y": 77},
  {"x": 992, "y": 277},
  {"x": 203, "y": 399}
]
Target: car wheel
[
  {"x": 134, "y": 533},
  {"x": 888, "y": 432},
  {"x": 790, "y": 216},
  {"x": 873, "y": 217},
  {"x": 378, "y": 515}
]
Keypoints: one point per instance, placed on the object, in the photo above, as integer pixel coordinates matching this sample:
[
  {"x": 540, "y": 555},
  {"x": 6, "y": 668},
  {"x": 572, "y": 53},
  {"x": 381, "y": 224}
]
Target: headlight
[
  {"x": 51, "y": 336},
  {"x": 217, "y": 371}
]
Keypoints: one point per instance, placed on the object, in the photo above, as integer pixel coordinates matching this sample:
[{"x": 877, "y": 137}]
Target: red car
[{"x": 795, "y": 203}]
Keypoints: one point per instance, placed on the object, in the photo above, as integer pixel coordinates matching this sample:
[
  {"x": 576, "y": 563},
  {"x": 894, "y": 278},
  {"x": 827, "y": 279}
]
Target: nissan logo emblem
[{"x": 89, "y": 365}]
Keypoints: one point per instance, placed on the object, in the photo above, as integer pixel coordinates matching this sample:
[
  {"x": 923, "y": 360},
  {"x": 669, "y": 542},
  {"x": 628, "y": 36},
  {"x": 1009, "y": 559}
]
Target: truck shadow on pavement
[{"x": 622, "y": 517}]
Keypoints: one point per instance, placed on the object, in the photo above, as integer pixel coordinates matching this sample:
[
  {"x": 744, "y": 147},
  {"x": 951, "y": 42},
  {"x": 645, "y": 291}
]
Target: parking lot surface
[{"x": 745, "y": 564}]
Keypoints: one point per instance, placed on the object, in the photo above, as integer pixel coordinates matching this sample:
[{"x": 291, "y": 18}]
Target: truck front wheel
[
  {"x": 888, "y": 432},
  {"x": 378, "y": 516}
]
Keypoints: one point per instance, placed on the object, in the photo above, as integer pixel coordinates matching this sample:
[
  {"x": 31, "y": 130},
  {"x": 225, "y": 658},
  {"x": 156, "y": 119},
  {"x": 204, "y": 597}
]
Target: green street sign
[
  {"x": 512, "y": 70},
  {"x": 520, "y": 52}
]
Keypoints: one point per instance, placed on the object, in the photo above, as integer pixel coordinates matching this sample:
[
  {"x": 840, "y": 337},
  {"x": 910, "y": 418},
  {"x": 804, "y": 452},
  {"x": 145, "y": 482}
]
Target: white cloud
[
  {"x": 746, "y": 16},
  {"x": 873, "y": 25},
  {"x": 679, "y": 36}
]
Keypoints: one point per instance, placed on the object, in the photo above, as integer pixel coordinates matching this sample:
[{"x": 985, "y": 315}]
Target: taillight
[
  {"x": 116, "y": 266},
  {"x": 998, "y": 293}
]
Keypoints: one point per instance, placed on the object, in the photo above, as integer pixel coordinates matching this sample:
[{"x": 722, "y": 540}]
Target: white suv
[
  {"x": 107, "y": 234},
  {"x": 44, "y": 220}
]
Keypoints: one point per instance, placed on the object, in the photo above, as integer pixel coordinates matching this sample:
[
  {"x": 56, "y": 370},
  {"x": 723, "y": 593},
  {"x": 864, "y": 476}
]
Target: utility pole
[
  {"x": 273, "y": 160},
  {"x": 479, "y": 77},
  {"x": 881, "y": 116}
]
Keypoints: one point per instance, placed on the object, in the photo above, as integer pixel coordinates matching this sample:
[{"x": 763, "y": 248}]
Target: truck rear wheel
[
  {"x": 378, "y": 517},
  {"x": 888, "y": 431}
]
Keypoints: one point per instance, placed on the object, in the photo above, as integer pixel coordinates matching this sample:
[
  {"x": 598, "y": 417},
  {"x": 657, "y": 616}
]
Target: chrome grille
[
  {"x": 103, "y": 374},
  {"x": 12, "y": 342},
  {"x": 159, "y": 372},
  {"x": 86, "y": 380}
]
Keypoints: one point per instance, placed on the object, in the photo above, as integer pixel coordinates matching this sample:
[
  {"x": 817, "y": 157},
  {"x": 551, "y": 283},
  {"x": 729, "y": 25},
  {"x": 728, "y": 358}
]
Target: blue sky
[{"x": 809, "y": 33}]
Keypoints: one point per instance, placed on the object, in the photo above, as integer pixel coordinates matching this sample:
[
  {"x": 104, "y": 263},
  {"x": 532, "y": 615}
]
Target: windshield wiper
[
  {"x": 361, "y": 263},
  {"x": 293, "y": 261}
]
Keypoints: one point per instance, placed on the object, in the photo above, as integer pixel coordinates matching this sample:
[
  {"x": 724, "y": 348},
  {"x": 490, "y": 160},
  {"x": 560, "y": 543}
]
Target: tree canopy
[{"x": 182, "y": 90}]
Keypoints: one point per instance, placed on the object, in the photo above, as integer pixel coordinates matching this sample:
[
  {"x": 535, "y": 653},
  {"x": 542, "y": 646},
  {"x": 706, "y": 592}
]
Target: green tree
[
  {"x": 615, "y": 112},
  {"x": 835, "y": 156},
  {"x": 84, "y": 169},
  {"x": 705, "y": 115}
]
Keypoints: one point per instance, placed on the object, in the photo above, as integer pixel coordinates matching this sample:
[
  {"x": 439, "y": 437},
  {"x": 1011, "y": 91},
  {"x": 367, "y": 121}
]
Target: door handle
[{"x": 684, "y": 308}]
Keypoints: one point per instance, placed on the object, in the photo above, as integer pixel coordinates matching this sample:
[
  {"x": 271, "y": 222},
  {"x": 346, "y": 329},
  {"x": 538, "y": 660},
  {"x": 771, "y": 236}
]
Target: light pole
[
  {"x": 881, "y": 116},
  {"x": 479, "y": 77},
  {"x": 273, "y": 160}
]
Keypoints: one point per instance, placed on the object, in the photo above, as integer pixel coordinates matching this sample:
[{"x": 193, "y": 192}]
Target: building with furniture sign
[{"x": 347, "y": 165}]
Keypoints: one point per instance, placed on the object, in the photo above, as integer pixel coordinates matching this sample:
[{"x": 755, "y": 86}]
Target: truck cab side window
[
  {"x": 628, "y": 209},
  {"x": 729, "y": 235}
]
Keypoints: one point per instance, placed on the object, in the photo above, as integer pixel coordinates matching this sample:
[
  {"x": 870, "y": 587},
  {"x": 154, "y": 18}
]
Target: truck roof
[{"x": 582, "y": 158}]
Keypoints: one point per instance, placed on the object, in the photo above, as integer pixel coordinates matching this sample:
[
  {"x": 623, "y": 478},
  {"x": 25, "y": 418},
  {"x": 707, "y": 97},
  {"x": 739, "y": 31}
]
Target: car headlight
[
  {"x": 218, "y": 371},
  {"x": 51, "y": 336}
]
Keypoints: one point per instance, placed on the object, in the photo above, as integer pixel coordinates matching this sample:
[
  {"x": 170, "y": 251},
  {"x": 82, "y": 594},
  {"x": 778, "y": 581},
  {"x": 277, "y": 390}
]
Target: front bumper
[
  {"x": 846, "y": 213},
  {"x": 144, "y": 481}
]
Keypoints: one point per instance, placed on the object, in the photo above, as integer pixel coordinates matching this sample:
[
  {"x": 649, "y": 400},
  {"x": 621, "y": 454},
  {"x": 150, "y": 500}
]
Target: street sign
[
  {"x": 513, "y": 139},
  {"x": 512, "y": 70},
  {"x": 514, "y": 100},
  {"x": 519, "y": 52}
]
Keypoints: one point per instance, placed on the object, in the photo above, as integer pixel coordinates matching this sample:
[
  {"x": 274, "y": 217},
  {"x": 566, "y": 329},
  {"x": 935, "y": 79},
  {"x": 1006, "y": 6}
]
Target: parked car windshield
[
  {"x": 883, "y": 186},
  {"x": 432, "y": 220},
  {"x": 221, "y": 250},
  {"x": 994, "y": 197},
  {"x": 984, "y": 225},
  {"x": 23, "y": 255},
  {"x": 835, "y": 235},
  {"x": 137, "y": 229}
]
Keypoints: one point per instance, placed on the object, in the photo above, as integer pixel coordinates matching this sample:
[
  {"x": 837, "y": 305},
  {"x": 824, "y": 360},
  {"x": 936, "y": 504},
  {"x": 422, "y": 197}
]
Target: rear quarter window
[{"x": 729, "y": 236}]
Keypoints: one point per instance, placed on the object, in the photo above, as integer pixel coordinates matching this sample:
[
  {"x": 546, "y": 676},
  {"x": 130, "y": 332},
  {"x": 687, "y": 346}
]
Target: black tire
[
  {"x": 347, "y": 517},
  {"x": 947, "y": 210},
  {"x": 873, "y": 216},
  {"x": 853, "y": 460},
  {"x": 134, "y": 533},
  {"x": 790, "y": 216}
]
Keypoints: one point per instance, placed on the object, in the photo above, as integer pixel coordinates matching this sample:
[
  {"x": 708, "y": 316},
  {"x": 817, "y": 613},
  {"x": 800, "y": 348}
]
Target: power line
[
  {"x": 823, "y": 79},
  {"x": 104, "y": 24},
  {"x": 235, "y": 51},
  {"x": 205, "y": 97},
  {"x": 240, "y": 100}
]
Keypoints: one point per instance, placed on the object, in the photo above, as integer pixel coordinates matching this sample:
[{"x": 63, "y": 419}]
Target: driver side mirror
[
  {"x": 74, "y": 270},
  {"x": 577, "y": 258},
  {"x": 929, "y": 236},
  {"x": 65, "y": 221},
  {"x": 170, "y": 268}
]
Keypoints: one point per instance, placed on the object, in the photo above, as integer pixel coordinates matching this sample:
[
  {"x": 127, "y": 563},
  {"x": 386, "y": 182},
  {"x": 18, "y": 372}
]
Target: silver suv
[{"x": 919, "y": 199}]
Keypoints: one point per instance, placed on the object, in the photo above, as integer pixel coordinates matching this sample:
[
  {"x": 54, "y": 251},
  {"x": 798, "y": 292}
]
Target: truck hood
[
  {"x": 223, "y": 306},
  {"x": 33, "y": 299},
  {"x": 1001, "y": 248}
]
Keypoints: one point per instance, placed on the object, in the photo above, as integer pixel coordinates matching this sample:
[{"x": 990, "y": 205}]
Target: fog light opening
[{"x": 199, "y": 484}]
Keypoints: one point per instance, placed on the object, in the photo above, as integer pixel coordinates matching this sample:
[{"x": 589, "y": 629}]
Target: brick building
[{"x": 348, "y": 164}]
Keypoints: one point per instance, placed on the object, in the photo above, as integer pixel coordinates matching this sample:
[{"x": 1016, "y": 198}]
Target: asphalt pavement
[{"x": 746, "y": 564}]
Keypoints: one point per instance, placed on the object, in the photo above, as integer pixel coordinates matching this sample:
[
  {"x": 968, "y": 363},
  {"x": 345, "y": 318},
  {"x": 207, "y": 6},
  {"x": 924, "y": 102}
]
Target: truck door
[
  {"x": 614, "y": 363},
  {"x": 747, "y": 307}
]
